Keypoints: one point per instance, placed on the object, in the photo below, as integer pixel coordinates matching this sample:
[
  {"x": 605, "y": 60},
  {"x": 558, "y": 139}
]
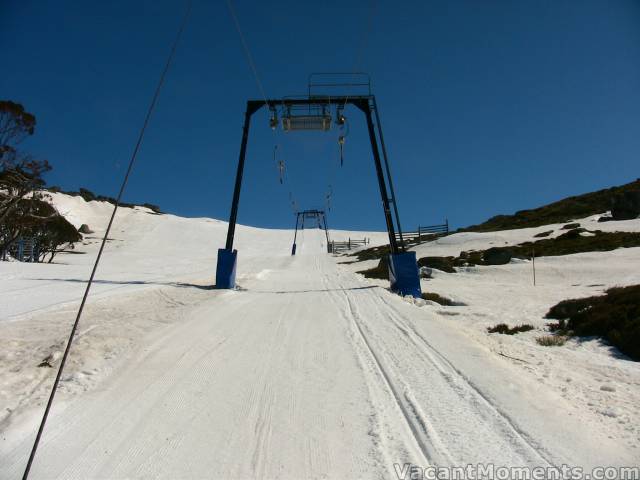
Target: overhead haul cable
[
  {"x": 104, "y": 239},
  {"x": 279, "y": 163}
]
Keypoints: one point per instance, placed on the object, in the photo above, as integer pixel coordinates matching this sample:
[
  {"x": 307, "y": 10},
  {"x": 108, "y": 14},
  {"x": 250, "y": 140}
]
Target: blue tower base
[
  {"x": 404, "y": 275},
  {"x": 226, "y": 269},
  {"x": 293, "y": 249}
]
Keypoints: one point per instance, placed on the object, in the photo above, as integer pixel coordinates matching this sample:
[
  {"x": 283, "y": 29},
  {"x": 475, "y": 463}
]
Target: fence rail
[
  {"x": 424, "y": 232},
  {"x": 337, "y": 247}
]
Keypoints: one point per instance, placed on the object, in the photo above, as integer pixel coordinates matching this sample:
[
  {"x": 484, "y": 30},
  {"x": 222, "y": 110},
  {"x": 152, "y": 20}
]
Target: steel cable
[{"x": 104, "y": 240}]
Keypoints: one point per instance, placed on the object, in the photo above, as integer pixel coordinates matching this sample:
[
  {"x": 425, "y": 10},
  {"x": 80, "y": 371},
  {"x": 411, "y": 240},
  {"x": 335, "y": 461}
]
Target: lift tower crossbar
[
  {"x": 403, "y": 272},
  {"x": 319, "y": 216}
]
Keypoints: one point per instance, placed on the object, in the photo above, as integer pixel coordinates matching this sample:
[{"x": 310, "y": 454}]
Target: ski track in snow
[
  {"x": 435, "y": 433},
  {"x": 306, "y": 371},
  {"x": 212, "y": 395}
]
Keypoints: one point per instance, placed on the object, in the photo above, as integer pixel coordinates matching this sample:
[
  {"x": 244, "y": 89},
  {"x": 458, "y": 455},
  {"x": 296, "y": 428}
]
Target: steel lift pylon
[
  {"x": 321, "y": 221},
  {"x": 403, "y": 268}
]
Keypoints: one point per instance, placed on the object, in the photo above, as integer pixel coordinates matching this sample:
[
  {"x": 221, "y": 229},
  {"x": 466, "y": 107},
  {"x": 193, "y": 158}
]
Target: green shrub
[
  {"x": 504, "y": 329},
  {"x": 88, "y": 195},
  {"x": 569, "y": 308},
  {"x": 552, "y": 340},
  {"x": 444, "y": 264},
  {"x": 152, "y": 207},
  {"x": 570, "y": 226},
  {"x": 380, "y": 271},
  {"x": 372, "y": 253},
  {"x": 614, "y": 316},
  {"x": 568, "y": 243},
  {"x": 434, "y": 297}
]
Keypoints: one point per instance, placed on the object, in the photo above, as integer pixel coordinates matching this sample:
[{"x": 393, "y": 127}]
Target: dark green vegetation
[
  {"x": 16, "y": 124},
  {"x": 504, "y": 329},
  {"x": 564, "y": 210},
  {"x": 54, "y": 234},
  {"x": 570, "y": 226},
  {"x": 380, "y": 271},
  {"x": 25, "y": 213},
  {"x": 444, "y": 264},
  {"x": 614, "y": 316},
  {"x": 380, "y": 253},
  {"x": 551, "y": 340},
  {"x": 434, "y": 297},
  {"x": 570, "y": 242},
  {"x": 372, "y": 253},
  {"x": 30, "y": 227}
]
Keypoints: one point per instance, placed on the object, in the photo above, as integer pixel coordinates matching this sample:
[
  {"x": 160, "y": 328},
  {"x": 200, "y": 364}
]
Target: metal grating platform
[{"x": 306, "y": 122}]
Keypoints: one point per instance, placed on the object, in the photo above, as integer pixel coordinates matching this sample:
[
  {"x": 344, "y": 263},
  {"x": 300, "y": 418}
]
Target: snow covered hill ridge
[
  {"x": 308, "y": 370},
  {"x": 144, "y": 250}
]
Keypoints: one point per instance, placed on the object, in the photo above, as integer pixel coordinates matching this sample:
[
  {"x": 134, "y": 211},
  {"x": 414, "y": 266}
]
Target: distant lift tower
[
  {"x": 314, "y": 112},
  {"x": 321, "y": 222}
]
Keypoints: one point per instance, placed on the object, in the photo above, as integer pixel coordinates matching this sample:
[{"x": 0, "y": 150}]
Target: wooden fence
[
  {"x": 337, "y": 247},
  {"x": 424, "y": 233}
]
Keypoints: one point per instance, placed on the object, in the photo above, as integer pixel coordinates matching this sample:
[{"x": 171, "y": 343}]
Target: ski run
[{"x": 308, "y": 369}]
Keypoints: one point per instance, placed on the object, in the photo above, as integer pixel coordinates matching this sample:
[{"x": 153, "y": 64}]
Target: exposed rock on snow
[{"x": 84, "y": 228}]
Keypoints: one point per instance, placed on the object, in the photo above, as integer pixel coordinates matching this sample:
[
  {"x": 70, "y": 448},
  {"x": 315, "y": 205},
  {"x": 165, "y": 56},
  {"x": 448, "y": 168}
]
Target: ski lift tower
[
  {"x": 321, "y": 221},
  {"x": 315, "y": 111}
]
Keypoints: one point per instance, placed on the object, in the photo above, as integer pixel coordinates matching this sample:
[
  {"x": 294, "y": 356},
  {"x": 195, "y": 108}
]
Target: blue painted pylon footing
[
  {"x": 404, "y": 275},
  {"x": 226, "y": 269}
]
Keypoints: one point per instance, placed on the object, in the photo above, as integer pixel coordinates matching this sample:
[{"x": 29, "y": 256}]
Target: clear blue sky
[{"x": 488, "y": 106}]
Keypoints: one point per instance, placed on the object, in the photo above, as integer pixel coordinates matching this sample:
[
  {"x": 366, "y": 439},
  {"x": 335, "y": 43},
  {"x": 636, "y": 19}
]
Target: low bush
[
  {"x": 87, "y": 194},
  {"x": 568, "y": 243},
  {"x": 543, "y": 234},
  {"x": 572, "y": 242},
  {"x": 152, "y": 207},
  {"x": 380, "y": 271},
  {"x": 444, "y": 264},
  {"x": 504, "y": 329},
  {"x": 552, "y": 340},
  {"x": 567, "y": 309},
  {"x": 570, "y": 226},
  {"x": 434, "y": 297},
  {"x": 372, "y": 253},
  {"x": 614, "y": 316}
]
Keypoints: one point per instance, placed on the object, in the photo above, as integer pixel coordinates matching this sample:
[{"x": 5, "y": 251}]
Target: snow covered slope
[
  {"x": 307, "y": 371},
  {"x": 145, "y": 250}
]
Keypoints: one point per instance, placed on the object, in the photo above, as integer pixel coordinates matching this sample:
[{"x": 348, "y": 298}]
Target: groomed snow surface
[{"x": 308, "y": 370}]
